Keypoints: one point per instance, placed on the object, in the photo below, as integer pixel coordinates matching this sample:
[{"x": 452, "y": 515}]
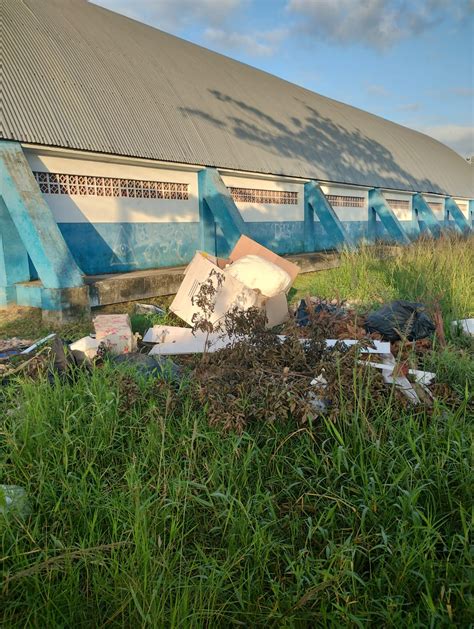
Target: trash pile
[{"x": 248, "y": 356}]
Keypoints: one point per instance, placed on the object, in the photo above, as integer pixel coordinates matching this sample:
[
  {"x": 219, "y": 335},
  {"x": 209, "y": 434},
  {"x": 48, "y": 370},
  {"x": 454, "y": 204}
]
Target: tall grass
[
  {"x": 428, "y": 271},
  {"x": 145, "y": 516}
]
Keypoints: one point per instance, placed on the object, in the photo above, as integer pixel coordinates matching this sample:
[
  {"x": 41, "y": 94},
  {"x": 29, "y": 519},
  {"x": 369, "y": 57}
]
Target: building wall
[
  {"x": 125, "y": 214},
  {"x": 114, "y": 233}
]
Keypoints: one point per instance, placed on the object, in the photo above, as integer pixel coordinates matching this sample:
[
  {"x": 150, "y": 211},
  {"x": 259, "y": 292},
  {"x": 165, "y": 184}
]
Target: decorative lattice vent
[
  {"x": 341, "y": 200},
  {"x": 85, "y": 185},
  {"x": 399, "y": 204},
  {"x": 252, "y": 195}
]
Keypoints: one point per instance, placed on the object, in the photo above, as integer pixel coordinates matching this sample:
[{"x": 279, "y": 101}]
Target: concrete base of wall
[
  {"x": 70, "y": 304},
  {"x": 7, "y": 296},
  {"x": 119, "y": 287},
  {"x": 309, "y": 262}
]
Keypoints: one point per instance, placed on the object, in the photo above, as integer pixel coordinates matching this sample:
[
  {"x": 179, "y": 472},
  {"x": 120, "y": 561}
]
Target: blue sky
[{"x": 409, "y": 61}]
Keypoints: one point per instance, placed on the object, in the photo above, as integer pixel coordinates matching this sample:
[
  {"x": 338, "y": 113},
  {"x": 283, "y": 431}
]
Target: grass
[{"x": 144, "y": 515}]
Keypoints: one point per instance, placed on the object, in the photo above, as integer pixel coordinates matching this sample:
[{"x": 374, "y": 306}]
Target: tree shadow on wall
[{"x": 338, "y": 154}]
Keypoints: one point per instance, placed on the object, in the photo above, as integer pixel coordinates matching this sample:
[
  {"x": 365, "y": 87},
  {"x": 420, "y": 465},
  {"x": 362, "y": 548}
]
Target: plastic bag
[
  {"x": 400, "y": 318},
  {"x": 257, "y": 273}
]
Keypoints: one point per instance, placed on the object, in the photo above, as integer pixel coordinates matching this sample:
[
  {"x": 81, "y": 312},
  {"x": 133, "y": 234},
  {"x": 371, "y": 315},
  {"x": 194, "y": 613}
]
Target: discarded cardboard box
[
  {"x": 115, "y": 332},
  {"x": 232, "y": 292}
]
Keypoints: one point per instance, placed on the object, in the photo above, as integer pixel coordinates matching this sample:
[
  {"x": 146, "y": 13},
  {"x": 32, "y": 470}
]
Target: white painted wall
[
  {"x": 349, "y": 213},
  {"x": 95, "y": 209},
  {"x": 439, "y": 214},
  {"x": 263, "y": 212},
  {"x": 463, "y": 206},
  {"x": 401, "y": 214}
]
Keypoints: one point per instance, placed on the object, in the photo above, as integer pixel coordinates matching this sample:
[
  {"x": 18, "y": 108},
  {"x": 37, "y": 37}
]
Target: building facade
[{"x": 124, "y": 148}]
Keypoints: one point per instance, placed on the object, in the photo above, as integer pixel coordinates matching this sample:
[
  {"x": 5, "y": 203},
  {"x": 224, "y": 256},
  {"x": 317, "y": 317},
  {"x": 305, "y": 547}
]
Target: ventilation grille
[
  {"x": 86, "y": 186},
  {"x": 399, "y": 204},
  {"x": 251, "y": 195},
  {"x": 340, "y": 200}
]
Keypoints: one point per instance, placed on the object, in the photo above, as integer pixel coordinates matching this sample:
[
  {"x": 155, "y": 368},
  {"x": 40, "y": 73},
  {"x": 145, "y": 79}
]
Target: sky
[{"x": 408, "y": 61}]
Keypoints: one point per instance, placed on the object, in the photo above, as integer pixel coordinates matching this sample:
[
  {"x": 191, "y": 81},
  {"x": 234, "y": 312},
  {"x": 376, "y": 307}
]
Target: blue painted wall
[{"x": 119, "y": 247}]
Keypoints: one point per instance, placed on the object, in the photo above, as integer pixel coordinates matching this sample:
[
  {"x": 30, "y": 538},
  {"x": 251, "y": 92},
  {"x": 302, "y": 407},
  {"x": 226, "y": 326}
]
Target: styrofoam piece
[
  {"x": 87, "y": 345},
  {"x": 173, "y": 340},
  {"x": 465, "y": 325}
]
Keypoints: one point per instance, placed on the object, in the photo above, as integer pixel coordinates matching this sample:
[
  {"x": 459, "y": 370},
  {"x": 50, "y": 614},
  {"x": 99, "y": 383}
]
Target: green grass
[
  {"x": 427, "y": 271},
  {"x": 144, "y": 515}
]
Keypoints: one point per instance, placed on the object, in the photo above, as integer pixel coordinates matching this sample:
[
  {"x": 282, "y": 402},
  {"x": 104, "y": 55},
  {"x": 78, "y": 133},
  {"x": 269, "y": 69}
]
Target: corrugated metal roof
[{"x": 79, "y": 76}]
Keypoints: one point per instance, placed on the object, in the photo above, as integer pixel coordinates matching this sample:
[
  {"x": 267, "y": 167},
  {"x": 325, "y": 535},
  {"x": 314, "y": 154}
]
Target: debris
[
  {"x": 14, "y": 501},
  {"x": 464, "y": 325},
  {"x": 12, "y": 347},
  {"x": 87, "y": 345},
  {"x": 422, "y": 377},
  {"x": 115, "y": 332},
  {"x": 42, "y": 341},
  {"x": 148, "y": 365},
  {"x": 400, "y": 319},
  {"x": 303, "y": 312},
  {"x": 400, "y": 381},
  {"x": 149, "y": 309},
  {"x": 171, "y": 340},
  {"x": 259, "y": 274},
  {"x": 227, "y": 291}
]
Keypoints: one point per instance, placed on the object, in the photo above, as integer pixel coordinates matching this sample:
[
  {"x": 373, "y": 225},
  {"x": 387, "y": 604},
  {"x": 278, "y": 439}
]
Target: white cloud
[
  {"x": 175, "y": 15},
  {"x": 409, "y": 107},
  {"x": 261, "y": 44},
  {"x": 458, "y": 137},
  {"x": 462, "y": 91},
  {"x": 376, "y": 23},
  {"x": 377, "y": 90}
]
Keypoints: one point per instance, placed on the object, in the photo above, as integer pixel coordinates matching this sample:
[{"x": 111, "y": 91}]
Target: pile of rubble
[{"x": 248, "y": 356}]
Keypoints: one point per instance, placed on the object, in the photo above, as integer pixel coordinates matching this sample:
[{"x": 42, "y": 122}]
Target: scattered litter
[
  {"x": 12, "y": 347},
  {"x": 303, "y": 312},
  {"x": 14, "y": 501},
  {"x": 115, "y": 332},
  {"x": 464, "y": 325},
  {"x": 42, "y": 341},
  {"x": 87, "y": 345},
  {"x": 149, "y": 309},
  {"x": 259, "y": 274},
  {"x": 228, "y": 291},
  {"x": 171, "y": 340},
  {"x": 400, "y": 319}
]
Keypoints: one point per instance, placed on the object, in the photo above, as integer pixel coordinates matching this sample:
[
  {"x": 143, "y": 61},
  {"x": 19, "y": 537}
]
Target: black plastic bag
[
  {"x": 303, "y": 316},
  {"x": 400, "y": 318}
]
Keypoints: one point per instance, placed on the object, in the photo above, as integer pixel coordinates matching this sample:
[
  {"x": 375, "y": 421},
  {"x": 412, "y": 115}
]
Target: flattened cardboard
[
  {"x": 232, "y": 292},
  {"x": 171, "y": 340}
]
